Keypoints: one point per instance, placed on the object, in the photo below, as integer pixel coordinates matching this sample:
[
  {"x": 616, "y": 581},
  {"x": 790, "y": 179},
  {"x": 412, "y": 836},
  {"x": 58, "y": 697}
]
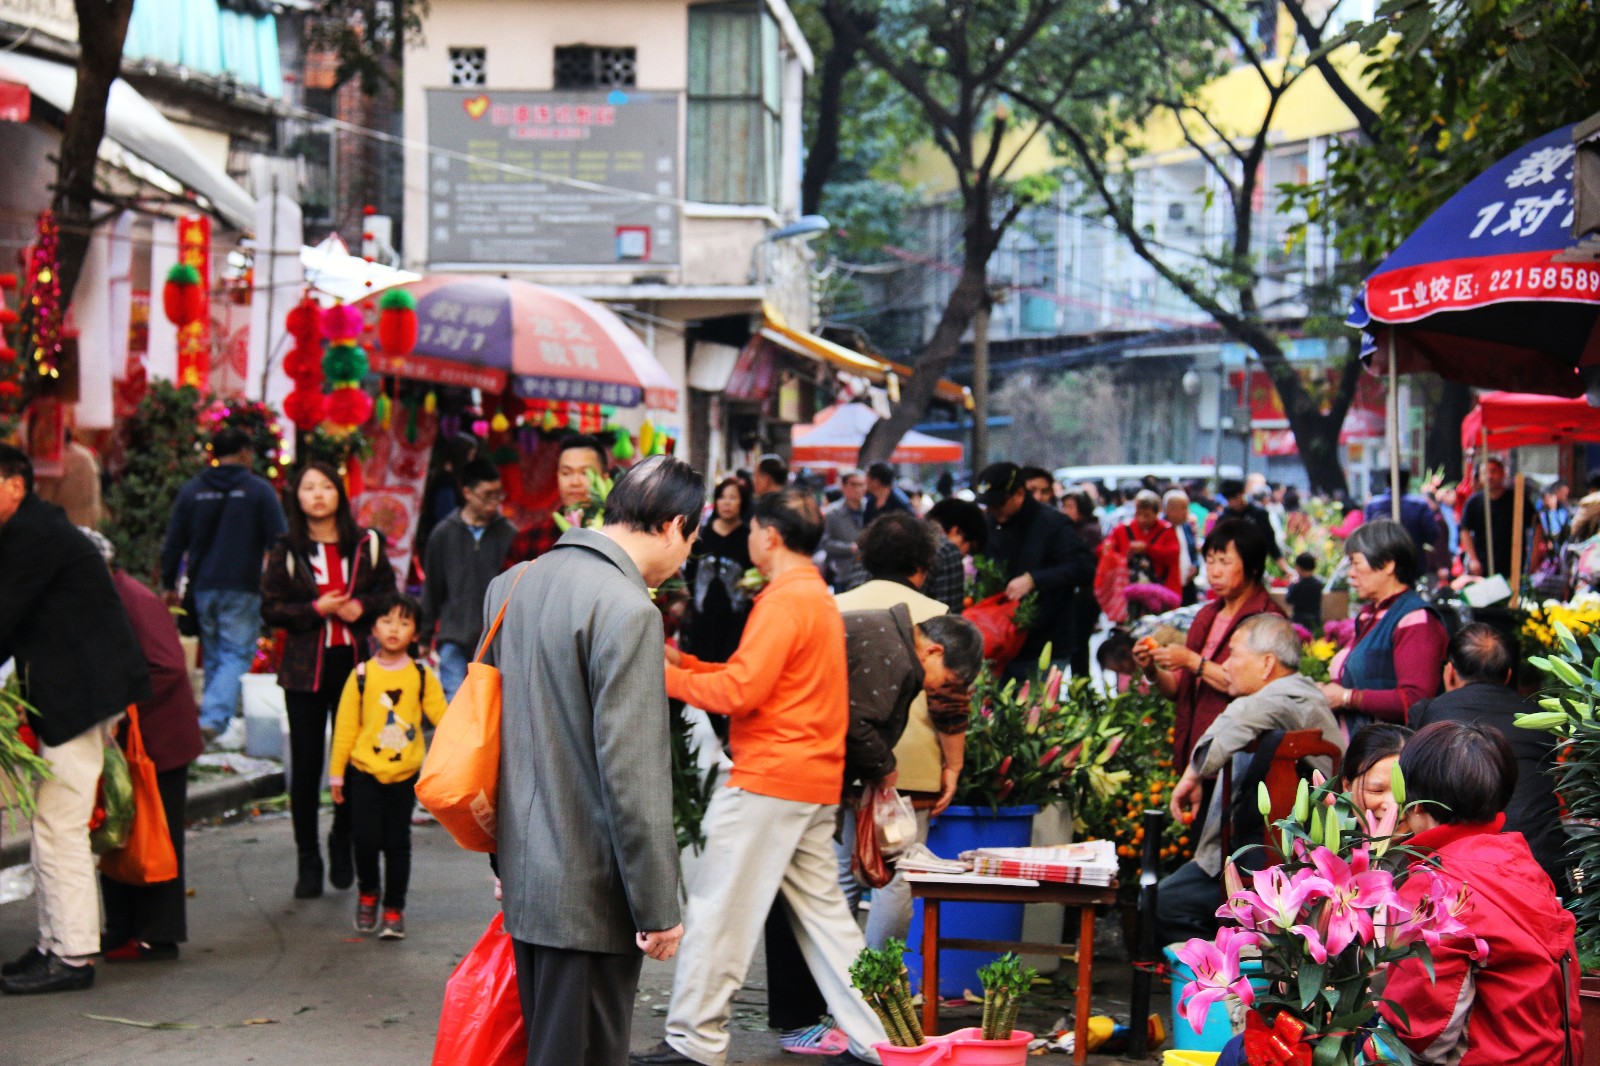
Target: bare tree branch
[{"x": 1366, "y": 118}]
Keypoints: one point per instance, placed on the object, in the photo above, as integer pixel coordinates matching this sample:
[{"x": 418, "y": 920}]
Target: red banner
[
  {"x": 194, "y": 340},
  {"x": 16, "y": 103},
  {"x": 392, "y": 481},
  {"x": 1414, "y": 293}
]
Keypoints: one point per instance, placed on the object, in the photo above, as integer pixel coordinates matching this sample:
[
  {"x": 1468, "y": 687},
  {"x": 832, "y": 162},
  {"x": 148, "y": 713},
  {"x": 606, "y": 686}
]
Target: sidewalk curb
[{"x": 207, "y": 799}]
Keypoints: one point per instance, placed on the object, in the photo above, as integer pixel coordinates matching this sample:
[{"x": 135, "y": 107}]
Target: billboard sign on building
[{"x": 567, "y": 178}]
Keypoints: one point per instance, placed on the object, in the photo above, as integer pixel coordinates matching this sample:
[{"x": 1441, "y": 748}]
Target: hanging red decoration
[
  {"x": 341, "y": 322},
  {"x": 44, "y": 293},
  {"x": 305, "y": 407},
  {"x": 183, "y": 297},
  {"x": 397, "y": 322},
  {"x": 349, "y": 407},
  {"x": 304, "y": 322},
  {"x": 303, "y": 364}
]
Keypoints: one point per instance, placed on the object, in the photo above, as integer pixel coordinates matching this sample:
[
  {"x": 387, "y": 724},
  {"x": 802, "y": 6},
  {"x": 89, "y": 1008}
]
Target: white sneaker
[{"x": 231, "y": 738}]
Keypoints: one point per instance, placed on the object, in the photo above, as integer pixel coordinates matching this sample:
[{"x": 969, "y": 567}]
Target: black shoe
[
  {"x": 52, "y": 975},
  {"x": 341, "y": 862},
  {"x": 309, "y": 884},
  {"x": 663, "y": 1054},
  {"x": 24, "y": 962}
]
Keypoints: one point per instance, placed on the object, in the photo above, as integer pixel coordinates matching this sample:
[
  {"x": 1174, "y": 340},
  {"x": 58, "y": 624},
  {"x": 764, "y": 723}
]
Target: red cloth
[
  {"x": 169, "y": 720},
  {"x": 1420, "y": 649},
  {"x": 1198, "y": 704},
  {"x": 1511, "y": 1002},
  {"x": 1163, "y": 549}
]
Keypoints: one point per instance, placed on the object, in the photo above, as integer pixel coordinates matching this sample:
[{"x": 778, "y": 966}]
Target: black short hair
[
  {"x": 795, "y": 515},
  {"x": 229, "y": 441},
  {"x": 1594, "y": 481},
  {"x": 583, "y": 440},
  {"x": 1118, "y": 642},
  {"x": 477, "y": 471},
  {"x": 962, "y": 642},
  {"x": 1370, "y": 745},
  {"x": 744, "y": 494},
  {"x": 1463, "y": 771},
  {"x": 1305, "y": 561},
  {"x": 650, "y": 495},
  {"x": 775, "y": 468},
  {"x": 1230, "y": 488},
  {"x": 1030, "y": 473},
  {"x": 896, "y": 545},
  {"x": 408, "y": 605},
  {"x": 1247, "y": 538},
  {"x": 1384, "y": 541},
  {"x": 14, "y": 462},
  {"x": 1480, "y": 652},
  {"x": 882, "y": 473},
  {"x": 1405, "y": 480},
  {"x": 964, "y": 515}
]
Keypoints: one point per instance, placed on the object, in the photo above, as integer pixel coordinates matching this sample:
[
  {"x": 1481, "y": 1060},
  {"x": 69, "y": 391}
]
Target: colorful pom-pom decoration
[
  {"x": 342, "y": 322},
  {"x": 183, "y": 298},
  {"x": 348, "y": 407},
  {"x": 304, "y": 322},
  {"x": 305, "y": 407},
  {"x": 345, "y": 363},
  {"x": 397, "y": 322},
  {"x": 499, "y": 423}
]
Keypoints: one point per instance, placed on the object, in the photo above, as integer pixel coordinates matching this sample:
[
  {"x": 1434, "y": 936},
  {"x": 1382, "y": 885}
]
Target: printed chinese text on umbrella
[
  {"x": 1488, "y": 291},
  {"x": 480, "y": 332}
]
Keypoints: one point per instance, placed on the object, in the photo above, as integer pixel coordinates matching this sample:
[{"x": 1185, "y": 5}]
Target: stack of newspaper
[
  {"x": 1092, "y": 862},
  {"x": 919, "y": 860}
]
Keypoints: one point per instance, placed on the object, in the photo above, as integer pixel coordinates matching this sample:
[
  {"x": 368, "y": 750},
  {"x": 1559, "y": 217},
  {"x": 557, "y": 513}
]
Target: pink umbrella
[
  {"x": 550, "y": 344},
  {"x": 838, "y": 433}
]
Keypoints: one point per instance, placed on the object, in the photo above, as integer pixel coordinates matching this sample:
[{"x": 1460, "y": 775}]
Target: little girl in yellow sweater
[{"x": 377, "y": 752}]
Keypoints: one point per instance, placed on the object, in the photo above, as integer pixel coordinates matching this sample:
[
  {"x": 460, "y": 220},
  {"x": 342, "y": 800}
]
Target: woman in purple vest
[{"x": 1399, "y": 651}]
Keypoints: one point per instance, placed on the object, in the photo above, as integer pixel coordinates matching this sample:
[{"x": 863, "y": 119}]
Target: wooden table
[{"x": 1085, "y": 898}]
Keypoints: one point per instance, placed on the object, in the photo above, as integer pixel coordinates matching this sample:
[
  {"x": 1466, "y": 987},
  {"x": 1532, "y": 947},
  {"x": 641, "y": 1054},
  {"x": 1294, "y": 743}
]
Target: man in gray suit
[{"x": 588, "y": 857}]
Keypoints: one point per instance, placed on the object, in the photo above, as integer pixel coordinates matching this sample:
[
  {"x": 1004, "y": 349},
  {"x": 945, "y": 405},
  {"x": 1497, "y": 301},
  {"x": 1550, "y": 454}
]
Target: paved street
[{"x": 256, "y": 954}]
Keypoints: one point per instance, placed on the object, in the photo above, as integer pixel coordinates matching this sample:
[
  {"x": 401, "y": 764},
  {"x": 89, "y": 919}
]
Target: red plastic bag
[
  {"x": 1002, "y": 640},
  {"x": 481, "y": 1022},
  {"x": 1111, "y": 585}
]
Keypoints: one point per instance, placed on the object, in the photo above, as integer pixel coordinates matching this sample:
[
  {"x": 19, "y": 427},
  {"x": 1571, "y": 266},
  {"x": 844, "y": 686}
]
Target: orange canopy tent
[
  {"x": 1522, "y": 419},
  {"x": 835, "y": 438}
]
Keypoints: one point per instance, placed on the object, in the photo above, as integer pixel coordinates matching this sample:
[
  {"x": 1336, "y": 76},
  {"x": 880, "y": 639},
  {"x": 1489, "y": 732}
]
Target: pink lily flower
[
  {"x": 1433, "y": 917},
  {"x": 1216, "y": 973},
  {"x": 1279, "y": 898},
  {"x": 1052, "y": 686},
  {"x": 1355, "y": 891},
  {"x": 1314, "y": 943},
  {"x": 1380, "y": 826}
]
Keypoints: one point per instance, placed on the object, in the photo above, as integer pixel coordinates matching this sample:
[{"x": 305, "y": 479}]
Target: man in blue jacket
[{"x": 222, "y": 524}]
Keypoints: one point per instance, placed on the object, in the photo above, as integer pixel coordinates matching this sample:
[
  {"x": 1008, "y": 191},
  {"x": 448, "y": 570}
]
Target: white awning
[{"x": 141, "y": 131}]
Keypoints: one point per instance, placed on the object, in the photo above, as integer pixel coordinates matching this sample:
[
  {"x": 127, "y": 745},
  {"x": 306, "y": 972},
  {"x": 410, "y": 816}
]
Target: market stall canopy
[
  {"x": 1487, "y": 291},
  {"x": 1519, "y": 420},
  {"x": 877, "y": 371},
  {"x": 482, "y": 331},
  {"x": 838, "y": 433},
  {"x": 141, "y": 131},
  {"x": 332, "y": 271}
]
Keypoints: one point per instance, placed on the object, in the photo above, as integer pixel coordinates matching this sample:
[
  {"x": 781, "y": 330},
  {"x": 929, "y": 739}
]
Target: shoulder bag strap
[{"x": 488, "y": 638}]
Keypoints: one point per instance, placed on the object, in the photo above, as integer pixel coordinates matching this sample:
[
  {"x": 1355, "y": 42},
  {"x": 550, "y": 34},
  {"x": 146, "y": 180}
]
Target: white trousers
[
  {"x": 64, "y": 882},
  {"x": 756, "y": 848}
]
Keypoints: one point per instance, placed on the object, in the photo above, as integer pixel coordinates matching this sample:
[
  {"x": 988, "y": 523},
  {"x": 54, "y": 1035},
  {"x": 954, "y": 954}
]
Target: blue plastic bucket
[
  {"x": 1218, "y": 1029},
  {"x": 961, "y": 829}
]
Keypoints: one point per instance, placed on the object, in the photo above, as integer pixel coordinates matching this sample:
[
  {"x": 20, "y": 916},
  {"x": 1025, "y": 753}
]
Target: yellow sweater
[{"x": 380, "y": 732}]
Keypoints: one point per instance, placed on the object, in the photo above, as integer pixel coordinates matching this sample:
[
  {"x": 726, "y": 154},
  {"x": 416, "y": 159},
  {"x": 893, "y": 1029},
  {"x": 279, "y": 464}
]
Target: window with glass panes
[{"x": 735, "y": 99}]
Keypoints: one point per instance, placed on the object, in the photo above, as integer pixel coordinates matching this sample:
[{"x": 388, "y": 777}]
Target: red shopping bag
[
  {"x": 481, "y": 1022},
  {"x": 1002, "y": 640}
]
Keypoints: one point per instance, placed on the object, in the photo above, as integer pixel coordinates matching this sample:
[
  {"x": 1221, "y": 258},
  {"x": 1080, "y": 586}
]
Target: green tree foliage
[{"x": 161, "y": 451}]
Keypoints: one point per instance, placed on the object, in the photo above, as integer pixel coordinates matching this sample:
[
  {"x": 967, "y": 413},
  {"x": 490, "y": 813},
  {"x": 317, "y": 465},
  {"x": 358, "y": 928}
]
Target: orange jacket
[{"x": 786, "y": 690}]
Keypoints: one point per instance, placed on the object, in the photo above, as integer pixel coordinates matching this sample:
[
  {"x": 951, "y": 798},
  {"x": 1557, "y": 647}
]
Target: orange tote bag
[
  {"x": 460, "y": 779},
  {"x": 148, "y": 857}
]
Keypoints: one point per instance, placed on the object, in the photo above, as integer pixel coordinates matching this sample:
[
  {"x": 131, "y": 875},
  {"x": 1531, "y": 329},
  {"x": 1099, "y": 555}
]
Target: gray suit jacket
[{"x": 588, "y": 855}]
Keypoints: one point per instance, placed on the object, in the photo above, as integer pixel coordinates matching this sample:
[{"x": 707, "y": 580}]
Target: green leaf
[{"x": 1311, "y": 982}]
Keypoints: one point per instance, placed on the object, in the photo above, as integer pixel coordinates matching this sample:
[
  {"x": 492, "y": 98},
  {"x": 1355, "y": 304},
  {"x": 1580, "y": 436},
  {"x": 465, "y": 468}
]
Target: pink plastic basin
[{"x": 964, "y": 1047}]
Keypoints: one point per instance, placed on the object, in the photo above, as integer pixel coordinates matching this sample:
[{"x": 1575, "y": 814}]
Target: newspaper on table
[{"x": 1090, "y": 862}]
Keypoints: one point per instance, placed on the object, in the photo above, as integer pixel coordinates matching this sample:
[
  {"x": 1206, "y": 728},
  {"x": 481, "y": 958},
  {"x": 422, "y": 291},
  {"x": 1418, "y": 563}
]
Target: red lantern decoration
[
  {"x": 397, "y": 322},
  {"x": 349, "y": 407},
  {"x": 303, "y": 364},
  {"x": 305, "y": 406},
  {"x": 183, "y": 298},
  {"x": 304, "y": 321},
  {"x": 341, "y": 322}
]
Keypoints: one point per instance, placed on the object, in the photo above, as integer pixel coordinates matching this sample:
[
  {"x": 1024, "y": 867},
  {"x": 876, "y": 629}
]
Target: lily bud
[
  {"x": 1302, "y": 801},
  {"x": 1045, "y": 657},
  {"x": 1331, "y": 829},
  {"x": 1397, "y": 782},
  {"x": 1263, "y": 799}
]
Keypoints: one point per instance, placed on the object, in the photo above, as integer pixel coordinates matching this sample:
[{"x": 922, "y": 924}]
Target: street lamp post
[{"x": 804, "y": 228}]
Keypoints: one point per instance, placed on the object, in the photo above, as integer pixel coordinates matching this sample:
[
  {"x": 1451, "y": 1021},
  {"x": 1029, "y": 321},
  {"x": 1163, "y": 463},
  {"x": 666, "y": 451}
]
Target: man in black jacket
[
  {"x": 1042, "y": 553},
  {"x": 223, "y": 522},
  {"x": 464, "y": 554},
  {"x": 80, "y": 665},
  {"x": 1477, "y": 682}
]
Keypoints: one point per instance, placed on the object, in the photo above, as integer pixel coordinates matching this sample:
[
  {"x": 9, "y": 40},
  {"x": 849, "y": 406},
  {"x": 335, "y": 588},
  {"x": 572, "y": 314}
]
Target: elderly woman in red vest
[
  {"x": 1191, "y": 674},
  {"x": 1150, "y": 543}
]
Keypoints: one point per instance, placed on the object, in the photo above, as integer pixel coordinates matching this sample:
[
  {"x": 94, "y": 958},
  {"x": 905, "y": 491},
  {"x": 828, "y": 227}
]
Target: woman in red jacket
[
  {"x": 1510, "y": 995},
  {"x": 1150, "y": 543}
]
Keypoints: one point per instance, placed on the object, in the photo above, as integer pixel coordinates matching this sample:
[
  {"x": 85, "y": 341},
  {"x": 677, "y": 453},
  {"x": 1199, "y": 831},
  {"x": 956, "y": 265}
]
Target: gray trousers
[
  {"x": 756, "y": 848},
  {"x": 890, "y": 915},
  {"x": 576, "y": 1005}
]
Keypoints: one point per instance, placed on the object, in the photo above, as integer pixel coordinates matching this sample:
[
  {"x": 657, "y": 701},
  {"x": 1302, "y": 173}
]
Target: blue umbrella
[{"x": 1487, "y": 290}]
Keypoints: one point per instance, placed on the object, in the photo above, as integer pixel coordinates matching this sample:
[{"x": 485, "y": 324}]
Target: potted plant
[
  {"x": 21, "y": 767},
  {"x": 1005, "y": 982},
  {"x": 1326, "y": 922},
  {"x": 883, "y": 981}
]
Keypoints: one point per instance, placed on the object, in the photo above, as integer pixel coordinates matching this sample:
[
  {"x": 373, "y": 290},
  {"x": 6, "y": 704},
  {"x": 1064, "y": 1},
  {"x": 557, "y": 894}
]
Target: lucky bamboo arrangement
[
  {"x": 20, "y": 767},
  {"x": 1005, "y": 982},
  {"x": 881, "y": 978}
]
